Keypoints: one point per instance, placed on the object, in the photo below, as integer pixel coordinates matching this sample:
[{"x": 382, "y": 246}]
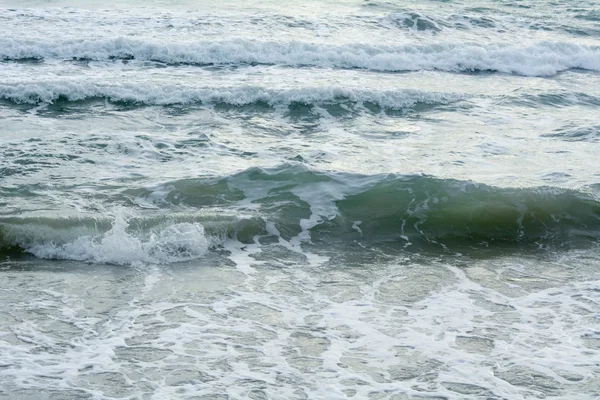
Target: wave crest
[
  {"x": 540, "y": 59},
  {"x": 123, "y": 240},
  {"x": 51, "y": 92},
  {"x": 297, "y": 205}
]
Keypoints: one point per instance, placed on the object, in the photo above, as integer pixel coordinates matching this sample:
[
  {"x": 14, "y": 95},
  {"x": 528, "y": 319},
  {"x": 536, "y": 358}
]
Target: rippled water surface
[{"x": 307, "y": 200}]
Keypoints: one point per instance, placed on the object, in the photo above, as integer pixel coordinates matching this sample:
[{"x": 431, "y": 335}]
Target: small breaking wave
[
  {"x": 121, "y": 239},
  {"x": 577, "y": 134},
  {"x": 417, "y": 21},
  {"x": 51, "y": 92},
  {"x": 414, "y": 21},
  {"x": 540, "y": 59},
  {"x": 148, "y": 94},
  {"x": 494, "y": 20}
]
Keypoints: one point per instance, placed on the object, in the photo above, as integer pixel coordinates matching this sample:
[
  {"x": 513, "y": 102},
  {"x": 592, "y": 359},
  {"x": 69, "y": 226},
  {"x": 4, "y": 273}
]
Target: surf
[
  {"x": 539, "y": 59},
  {"x": 292, "y": 203}
]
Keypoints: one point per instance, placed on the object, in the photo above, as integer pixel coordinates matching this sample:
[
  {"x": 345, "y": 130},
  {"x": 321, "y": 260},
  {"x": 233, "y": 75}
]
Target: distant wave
[
  {"x": 577, "y": 134},
  {"x": 146, "y": 93},
  {"x": 50, "y": 92},
  {"x": 416, "y": 21},
  {"x": 541, "y": 59},
  {"x": 413, "y": 20}
]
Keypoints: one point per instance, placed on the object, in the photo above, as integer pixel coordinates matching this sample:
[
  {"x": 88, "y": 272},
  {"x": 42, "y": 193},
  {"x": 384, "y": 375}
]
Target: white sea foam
[
  {"x": 171, "y": 243},
  {"x": 496, "y": 329},
  {"x": 49, "y": 92},
  {"x": 539, "y": 59}
]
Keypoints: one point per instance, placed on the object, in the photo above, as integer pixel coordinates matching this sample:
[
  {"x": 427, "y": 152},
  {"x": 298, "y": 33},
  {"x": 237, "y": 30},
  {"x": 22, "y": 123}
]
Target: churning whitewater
[
  {"x": 312, "y": 200},
  {"x": 538, "y": 59}
]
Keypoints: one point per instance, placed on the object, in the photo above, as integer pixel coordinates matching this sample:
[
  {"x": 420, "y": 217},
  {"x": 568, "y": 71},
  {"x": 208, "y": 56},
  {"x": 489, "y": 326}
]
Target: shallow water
[{"x": 314, "y": 200}]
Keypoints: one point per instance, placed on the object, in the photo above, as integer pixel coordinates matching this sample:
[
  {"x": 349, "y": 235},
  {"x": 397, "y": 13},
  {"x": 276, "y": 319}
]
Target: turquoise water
[{"x": 309, "y": 200}]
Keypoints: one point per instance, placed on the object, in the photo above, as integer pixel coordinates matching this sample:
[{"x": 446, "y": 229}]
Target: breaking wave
[
  {"x": 540, "y": 59},
  {"x": 296, "y": 204},
  {"x": 51, "y": 92},
  {"x": 121, "y": 239}
]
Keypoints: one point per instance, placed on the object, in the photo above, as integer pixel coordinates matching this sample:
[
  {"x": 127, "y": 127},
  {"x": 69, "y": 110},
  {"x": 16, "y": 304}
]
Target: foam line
[
  {"x": 539, "y": 59},
  {"x": 50, "y": 92}
]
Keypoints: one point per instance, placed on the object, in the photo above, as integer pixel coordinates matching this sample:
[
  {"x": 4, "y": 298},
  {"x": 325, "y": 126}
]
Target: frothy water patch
[{"x": 509, "y": 328}]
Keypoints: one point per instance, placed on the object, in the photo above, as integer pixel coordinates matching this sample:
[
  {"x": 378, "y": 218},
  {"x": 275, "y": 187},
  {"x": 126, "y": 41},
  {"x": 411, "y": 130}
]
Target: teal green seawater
[{"x": 299, "y": 200}]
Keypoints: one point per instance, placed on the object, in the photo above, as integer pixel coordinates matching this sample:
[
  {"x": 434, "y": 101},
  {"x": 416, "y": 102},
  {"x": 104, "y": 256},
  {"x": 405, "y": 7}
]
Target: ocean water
[{"x": 335, "y": 199}]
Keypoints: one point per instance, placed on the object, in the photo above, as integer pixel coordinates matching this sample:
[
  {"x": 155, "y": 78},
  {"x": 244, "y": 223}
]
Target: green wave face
[
  {"x": 307, "y": 207},
  {"x": 431, "y": 211},
  {"x": 425, "y": 210}
]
